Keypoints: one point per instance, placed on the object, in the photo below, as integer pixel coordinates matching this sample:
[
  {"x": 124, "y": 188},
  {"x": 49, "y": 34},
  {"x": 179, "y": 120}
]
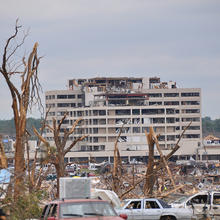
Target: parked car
[
  {"x": 152, "y": 208},
  {"x": 74, "y": 209},
  {"x": 204, "y": 202}
]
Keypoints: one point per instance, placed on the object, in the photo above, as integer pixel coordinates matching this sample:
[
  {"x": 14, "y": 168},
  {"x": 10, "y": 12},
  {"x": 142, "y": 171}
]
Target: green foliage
[
  {"x": 217, "y": 125},
  {"x": 207, "y": 124},
  {"x": 7, "y": 126},
  {"x": 210, "y": 126},
  {"x": 27, "y": 206}
]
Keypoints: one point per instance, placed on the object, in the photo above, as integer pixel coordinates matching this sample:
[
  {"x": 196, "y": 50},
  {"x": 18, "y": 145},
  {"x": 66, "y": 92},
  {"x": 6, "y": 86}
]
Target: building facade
[{"x": 105, "y": 104}]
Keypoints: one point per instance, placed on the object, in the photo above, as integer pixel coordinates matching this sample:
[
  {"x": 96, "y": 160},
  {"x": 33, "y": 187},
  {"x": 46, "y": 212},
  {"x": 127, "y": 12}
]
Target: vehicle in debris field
[
  {"x": 201, "y": 203},
  {"x": 151, "y": 208},
  {"x": 73, "y": 209}
]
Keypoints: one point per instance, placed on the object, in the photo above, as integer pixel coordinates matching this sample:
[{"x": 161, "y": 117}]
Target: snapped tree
[{"x": 23, "y": 96}]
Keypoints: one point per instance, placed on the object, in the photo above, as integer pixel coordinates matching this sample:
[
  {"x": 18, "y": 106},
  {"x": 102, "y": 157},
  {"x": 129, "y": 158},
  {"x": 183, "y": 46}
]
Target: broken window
[
  {"x": 63, "y": 104},
  {"x": 50, "y": 97},
  {"x": 95, "y": 139},
  {"x": 61, "y": 96},
  {"x": 79, "y": 131},
  {"x": 96, "y": 148},
  {"x": 199, "y": 199},
  {"x": 171, "y": 103},
  {"x": 51, "y": 105},
  {"x": 51, "y": 113},
  {"x": 190, "y": 119},
  {"x": 79, "y": 113},
  {"x": 190, "y": 103},
  {"x": 95, "y": 130},
  {"x": 191, "y": 127},
  {"x": 122, "y": 139},
  {"x": 171, "y": 138},
  {"x": 135, "y": 111},
  {"x": 64, "y": 121},
  {"x": 136, "y": 121},
  {"x": 95, "y": 121},
  {"x": 161, "y": 138},
  {"x": 158, "y": 120},
  {"x": 145, "y": 128},
  {"x": 102, "y": 147},
  {"x": 116, "y": 102},
  {"x": 188, "y": 136},
  {"x": 189, "y": 94},
  {"x": 123, "y": 112},
  {"x": 102, "y": 112},
  {"x": 95, "y": 112},
  {"x": 170, "y": 110},
  {"x": 152, "y": 111},
  {"x": 102, "y": 121},
  {"x": 154, "y": 95},
  {"x": 190, "y": 111},
  {"x": 170, "y": 120},
  {"x": 155, "y": 103},
  {"x": 71, "y": 96},
  {"x": 136, "y": 130},
  {"x": 171, "y": 94}
]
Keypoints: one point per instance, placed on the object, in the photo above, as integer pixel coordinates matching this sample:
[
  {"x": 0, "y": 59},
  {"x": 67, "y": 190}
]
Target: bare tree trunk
[
  {"x": 150, "y": 178},
  {"x": 19, "y": 165},
  {"x": 58, "y": 179},
  {"x": 60, "y": 169},
  {"x": 116, "y": 174}
]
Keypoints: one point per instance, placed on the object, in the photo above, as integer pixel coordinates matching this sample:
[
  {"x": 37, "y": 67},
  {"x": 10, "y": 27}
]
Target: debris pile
[{"x": 159, "y": 178}]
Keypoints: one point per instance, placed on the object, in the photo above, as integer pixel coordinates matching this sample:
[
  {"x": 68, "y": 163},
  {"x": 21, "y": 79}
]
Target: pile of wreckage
[{"x": 164, "y": 179}]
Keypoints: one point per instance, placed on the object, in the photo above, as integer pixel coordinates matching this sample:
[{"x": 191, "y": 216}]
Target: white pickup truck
[
  {"x": 202, "y": 203},
  {"x": 150, "y": 208}
]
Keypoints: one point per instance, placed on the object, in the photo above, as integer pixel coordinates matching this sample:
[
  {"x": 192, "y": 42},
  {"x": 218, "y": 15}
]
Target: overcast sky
[{"x": 172, "y": 39}]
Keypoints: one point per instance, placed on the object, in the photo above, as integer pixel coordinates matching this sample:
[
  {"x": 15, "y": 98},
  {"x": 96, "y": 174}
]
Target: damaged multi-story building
[{"x": 107, "y": 103}]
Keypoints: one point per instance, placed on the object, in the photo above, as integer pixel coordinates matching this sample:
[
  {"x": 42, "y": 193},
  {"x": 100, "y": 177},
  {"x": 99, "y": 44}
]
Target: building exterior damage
[{"x": 107, "y": 103}]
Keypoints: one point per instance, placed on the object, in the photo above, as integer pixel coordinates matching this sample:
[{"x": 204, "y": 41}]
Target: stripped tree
[
  {"x": 23, "y": 96},
  {"x": 117, "y": 167},
  {"x": 153, "y": 168},
  {"x": 55, "y": 155},
  {"x": 150, "y": 179}
]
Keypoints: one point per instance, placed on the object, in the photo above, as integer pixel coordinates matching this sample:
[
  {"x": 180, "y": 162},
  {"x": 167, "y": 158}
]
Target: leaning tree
[{"x": 24, "y": 93}]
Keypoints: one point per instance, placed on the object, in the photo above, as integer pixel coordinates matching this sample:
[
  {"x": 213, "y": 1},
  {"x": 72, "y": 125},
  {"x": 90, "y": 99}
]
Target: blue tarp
[{"x": 4, "y": 176}]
